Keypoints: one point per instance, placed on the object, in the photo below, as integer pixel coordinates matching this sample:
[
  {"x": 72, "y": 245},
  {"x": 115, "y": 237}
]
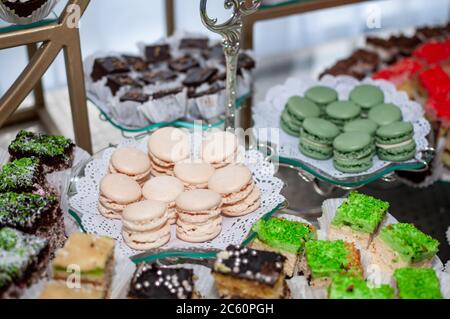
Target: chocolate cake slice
[
  {"x": 153, "y": 282},
  {"x": 249, "y": 274},
  {"x": 23, "y": 176},
  {"x": 116, "y": 81},
  {"x": 151, "y": 78},
  {"x": 183, "y": 64},
  {"x": 108, "y": 65},
  {"x": 23, "y": 261},
  {"x": 136, "y": 62},
  {"x": 164, "y": 93},
  {"x": 55, "y": 153},
  {"x": 157, "y": 53}
]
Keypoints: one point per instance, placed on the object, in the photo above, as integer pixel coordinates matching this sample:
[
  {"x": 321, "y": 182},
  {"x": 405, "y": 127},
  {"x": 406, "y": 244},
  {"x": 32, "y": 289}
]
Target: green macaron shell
[
  {"x": 320, "y": 130},
  {"x": 353, "y": 152},
  {"x": 398, "y": 154},
  {"x": 353, "y": 165},
  {"x": 322, "y": 95},
  {"x": 394, "y": 133},
  {"x": 361, "y": 125},
  {"x": 288, "y": 125},
  {"x": 301, "y": 108},
  {"x": 342, "y": 112},
  {"x": 367, "y": 96},
  {"x": 385, "y": 114},
  {"x": 313, "y": 150}
]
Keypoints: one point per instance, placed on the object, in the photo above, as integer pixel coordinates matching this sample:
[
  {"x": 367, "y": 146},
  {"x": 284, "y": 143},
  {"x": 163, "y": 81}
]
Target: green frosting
[
  {"x": 351, "y": 287},
  {"x": 327, "y": 258},
  {"x": 409, "y": 242},
  {"x": 361, "y": 212},
  {"x": 417, "y": 283},
  {"x": 17, "y": 252},
  {"x": 40, "y": 144},
  {"x": 22, "y": 210},
  {"x": 22, "y": 174},
  {"x": 284, "y": 234}
]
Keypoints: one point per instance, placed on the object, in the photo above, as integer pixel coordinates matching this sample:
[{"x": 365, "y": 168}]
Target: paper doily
[
  {"x": 234, "y": 230},
  {"x": 266, "y": 115}
]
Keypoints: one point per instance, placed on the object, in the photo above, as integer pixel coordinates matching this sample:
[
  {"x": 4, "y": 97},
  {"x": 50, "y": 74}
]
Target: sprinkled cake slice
[
  {"x": 54, "y": 152},
  {"x": 358, "y": 219},
  {"x": 245, "y": 273},
  {"x": 325, "y": 259},
  {"x": 35, "y": 215},
  {"x": 93, "y": 255},
  {"x": 23, "y": 260},
  {"x": 351, "y": 287},
  {"x": 285, "y": 237},
  {"x": 153, "y": 282},
  {"x": 22, "y": 176},
  {"x": 417, "y": 283},
  {"x": 403, "y": 245}
]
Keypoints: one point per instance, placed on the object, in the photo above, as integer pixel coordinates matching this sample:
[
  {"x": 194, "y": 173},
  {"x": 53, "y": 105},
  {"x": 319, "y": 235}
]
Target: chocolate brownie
[
  {"x": 23, "y": 261},
  {"x": 150, "y": 78},
  {"x": 183, "y": 64},
  {"x": 161, "y": 94},
  {"x": 108, "y": 65},
  {"x": 23, "y": 176},
  {"x": 54, "y": 152},
  {"x": 135, "y": 96},
  {"x": 116, "y": 81},
  {"x": 154, "y": 282},
  {"x": 196, "y": 44},
  {"x": 157, "y": 53},
  {"x": 198, "y": 76},
  {"x": 137, "y": 63}
]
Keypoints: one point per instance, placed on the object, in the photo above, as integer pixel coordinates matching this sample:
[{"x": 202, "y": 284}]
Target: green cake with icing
[
  {"x": 351, "y": 287},
  {"x": 417, "y": 283}
]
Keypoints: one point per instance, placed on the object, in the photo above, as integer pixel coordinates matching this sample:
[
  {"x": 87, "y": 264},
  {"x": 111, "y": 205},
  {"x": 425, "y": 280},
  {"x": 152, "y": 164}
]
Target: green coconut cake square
[
  {"x": 417, "y": 283},
  {"x": 352, "y": 287}
]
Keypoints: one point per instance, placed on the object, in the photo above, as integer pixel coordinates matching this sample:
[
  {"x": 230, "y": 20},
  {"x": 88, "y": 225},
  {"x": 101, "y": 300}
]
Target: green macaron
[
  {"x": 385, "y": 114},
  {"x": 353, "y": 152},
  {"x": 361, "y": 125},
  {"x": 342, "y": 112},
  {"x": 316, "y": 138},
  {"x": 288, "y": 125},
  {"x": 300, "y": 108},
  {"x": 322, "y": 95},
  {"x": 395, "y": 142},
  {"x": 367, "y": 96}
]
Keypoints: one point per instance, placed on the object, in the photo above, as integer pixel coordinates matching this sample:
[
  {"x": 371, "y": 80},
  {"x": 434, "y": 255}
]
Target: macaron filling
[{"x": 353, "y": 152}]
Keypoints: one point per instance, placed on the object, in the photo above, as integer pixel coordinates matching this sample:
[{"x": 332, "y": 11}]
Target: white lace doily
[
  {"x": 234, "y": 231},
  {"x": 266, "y": 115}
]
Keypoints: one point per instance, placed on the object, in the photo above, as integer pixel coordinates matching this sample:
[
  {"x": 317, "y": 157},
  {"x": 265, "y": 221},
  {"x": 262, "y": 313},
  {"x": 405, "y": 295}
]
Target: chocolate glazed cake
[
  {"x": 35, "y": 215},
  {"x": 24, "y": 8},
  {"x": 55, "y": 153}
]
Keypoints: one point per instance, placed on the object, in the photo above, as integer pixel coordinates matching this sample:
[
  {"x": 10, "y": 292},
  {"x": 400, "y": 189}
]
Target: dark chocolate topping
[
  {"x": 108, "y": 65},
  {"x": 157, "y": 53},
  {"x": 183, "y": 64},
  {"x": 156, "y": 77}
]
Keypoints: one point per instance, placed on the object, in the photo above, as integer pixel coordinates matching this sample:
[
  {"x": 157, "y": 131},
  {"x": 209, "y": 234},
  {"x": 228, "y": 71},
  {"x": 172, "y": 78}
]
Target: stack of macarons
[
  {"x": 220, "y": 148},
  {"x": 199, "y": 215},
  {"x": 240, "y": 195},
  {"x": 166, "y": 147},
  {"x": 165, "y": 189},
  {"x": 193, "y": 174},
  {"x": 346, "y": 129},
  {"x": 145, "y": 225},
  {"x": 117, "y": 191},
  {"x": 131, "y": 162},
  {"x": 297, "y": 110}
]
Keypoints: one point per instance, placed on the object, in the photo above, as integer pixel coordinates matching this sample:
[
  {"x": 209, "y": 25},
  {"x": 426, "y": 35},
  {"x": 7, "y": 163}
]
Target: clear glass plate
[{"x": 6, "y": 27}]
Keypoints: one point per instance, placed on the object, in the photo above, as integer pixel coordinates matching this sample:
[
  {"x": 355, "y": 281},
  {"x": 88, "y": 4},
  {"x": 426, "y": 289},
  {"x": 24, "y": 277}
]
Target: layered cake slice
[
  {"x": 35, "y": 215},
  {"x": 285, "y": 237},
  {"x": 22, "y": 176},
  {"x": 244, "y": 273},
  {"x": 403, "y": 245},
  {"x": 325, "y": 259},
  {"x": 417, "y": 283},
  {"x": 93, "y": 257},
  {"x": 54, "y": 152},
  {"x": 153, "y": 282},
  {"x": 358, "y": 219},
  {"x": 23, "y": 260},
  {"x": 352, "y": 287}
]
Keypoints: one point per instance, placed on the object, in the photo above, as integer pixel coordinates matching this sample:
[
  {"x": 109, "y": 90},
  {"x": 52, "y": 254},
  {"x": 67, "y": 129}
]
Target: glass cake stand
[
  {"x": 79, "y": 172},
  {"x": 6, "y": 27},
  {"x": 107, "y": 117}
]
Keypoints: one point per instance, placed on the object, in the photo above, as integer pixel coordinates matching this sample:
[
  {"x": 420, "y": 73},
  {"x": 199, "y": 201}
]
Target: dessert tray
[
  {"x": 176, "y": 109},
  {"x": 266, "y": 115},
  {"x": 83, "y": 199}
]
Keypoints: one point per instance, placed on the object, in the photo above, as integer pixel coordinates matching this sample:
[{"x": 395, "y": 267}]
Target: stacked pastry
[
  {"x": 131, "y": 162},
  {"x": 220, "y": 149},
  {"x": 194, "y": 175},
  {"x": 166, "y": 147},
  {"x": 146, "y": 225},
  {"x": 199, "y": 218},
  {"x": 165, "y": 189},
  {"x": 240, "y": 195}
]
